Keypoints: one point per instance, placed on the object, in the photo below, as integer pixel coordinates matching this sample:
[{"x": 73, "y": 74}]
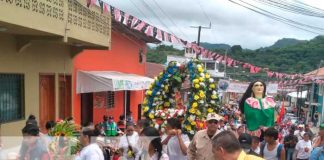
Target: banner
[
  {"x": 240, "y": 87},
  {"x": 237, "y": 87},
  {"x": 272, "y": 88}
]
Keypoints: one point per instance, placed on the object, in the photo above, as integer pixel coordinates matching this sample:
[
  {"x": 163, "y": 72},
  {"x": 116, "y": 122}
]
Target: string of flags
[{"x": 152, "y": 31}]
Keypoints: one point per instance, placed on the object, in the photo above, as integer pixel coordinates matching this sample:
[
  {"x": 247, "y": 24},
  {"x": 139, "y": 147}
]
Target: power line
[
  {"x": 297, "y": 1},
  {"x": 279, "y": 18},
  {"x": 207, "y": 17},
  {"x": 205, "y": 14},
  {"x": 290, "y": 7},
  {"x": 140, "y": 11},
  {"x": 156, "y": 16},
  {"x": 170, "y": 19},
  {"x": 286, "y": 19}
]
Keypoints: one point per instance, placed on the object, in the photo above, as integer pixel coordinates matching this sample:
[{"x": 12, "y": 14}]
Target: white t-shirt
[
  {"x": 133, "y": 141},
  {"x": 257, "y": 150},
  {"x": 299, "y": 134},
  {"x": 163, "y": 157},
  {"x": 91, "y": 152},
  {"x": 300, "y": 148},
  {"x": 173, "y": 147},
  {"x": 270, "y": 155}
]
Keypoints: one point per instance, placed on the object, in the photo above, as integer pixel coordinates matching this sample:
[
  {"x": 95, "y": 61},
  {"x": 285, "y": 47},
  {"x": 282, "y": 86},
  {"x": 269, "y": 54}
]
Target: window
[
  {"x": 140, "y": 58},
  {"x": 210, "y": 65},
  {"x": 11, "y": 97},
  {"x": 110, "y": 99}
]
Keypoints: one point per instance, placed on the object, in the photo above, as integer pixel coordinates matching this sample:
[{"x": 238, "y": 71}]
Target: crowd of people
[{"x": 223, "y": 139}]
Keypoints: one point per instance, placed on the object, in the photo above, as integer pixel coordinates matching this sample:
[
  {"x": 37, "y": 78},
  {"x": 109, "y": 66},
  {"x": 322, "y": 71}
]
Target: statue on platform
[{"x": 258, "y": 109}]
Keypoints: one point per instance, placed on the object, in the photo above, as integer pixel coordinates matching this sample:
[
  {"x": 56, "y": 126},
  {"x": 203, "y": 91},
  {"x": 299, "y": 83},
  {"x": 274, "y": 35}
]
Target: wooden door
[
  {"x": 86, "y": 108},
  {"x": 46, "y": 99},
  {"x": 65, "y": 93}
]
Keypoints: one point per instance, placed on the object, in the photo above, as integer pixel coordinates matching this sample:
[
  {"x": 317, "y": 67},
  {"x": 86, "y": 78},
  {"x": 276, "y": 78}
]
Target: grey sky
[{"x": 231, "y": 24}]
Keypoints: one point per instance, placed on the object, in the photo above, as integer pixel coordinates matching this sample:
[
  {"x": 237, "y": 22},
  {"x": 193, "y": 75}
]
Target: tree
[{"x": 236, "y": 49}]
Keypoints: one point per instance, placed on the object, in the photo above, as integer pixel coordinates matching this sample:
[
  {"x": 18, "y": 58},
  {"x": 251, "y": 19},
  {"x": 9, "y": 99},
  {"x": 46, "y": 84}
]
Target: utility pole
[
  {"x": 312, "y": 93},
  {"x": 225, "y": 63},
  {"x": 199, "y": 31}
]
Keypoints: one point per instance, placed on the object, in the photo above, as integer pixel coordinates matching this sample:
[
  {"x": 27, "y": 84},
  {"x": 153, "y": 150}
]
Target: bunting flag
[
  {"x": 129, "y": 21},
  {"x": 220, "y": 59},
  {"x": 254, "y": 69},
  {"x": 229, "y": 62},
  {"x": 246, "y": 66},
  {"x": 152, "y": 31},
  {"x": 101, "y": 4},
  {"x": 159, "y": 34},
  {"x": 169, "y": 37},
  {"x": 91, "y": 2},
  {"x": 144, "y": 27},
  {"x": 135, "y": 21},
  {"x": 149, "y": 31},
  {"x": 122, "y": 17},
  {"x": 270, "y": 74},
  {"x": 105, "y": 9}
]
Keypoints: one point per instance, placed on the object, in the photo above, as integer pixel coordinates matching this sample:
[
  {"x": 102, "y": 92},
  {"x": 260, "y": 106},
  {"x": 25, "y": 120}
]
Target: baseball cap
[
  {"x": 245, "y": 140},
  {"x": 214, "y": 116},
  {"x": 301, "y": 126}
]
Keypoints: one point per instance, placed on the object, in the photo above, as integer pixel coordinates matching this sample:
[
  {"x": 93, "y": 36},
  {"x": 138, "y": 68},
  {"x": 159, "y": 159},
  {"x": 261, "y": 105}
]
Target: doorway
[
  {"x": 65, "y": 95},
  {"x": 86, "y": 108},
  {"x": 46, "y": 99}
]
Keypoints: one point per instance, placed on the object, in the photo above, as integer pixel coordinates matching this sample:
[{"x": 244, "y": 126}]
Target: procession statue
[{"x": 258, "y": 109}]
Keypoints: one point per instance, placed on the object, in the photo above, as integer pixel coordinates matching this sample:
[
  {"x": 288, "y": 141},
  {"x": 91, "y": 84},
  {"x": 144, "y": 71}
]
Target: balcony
[{"x": 63, "y": 21}]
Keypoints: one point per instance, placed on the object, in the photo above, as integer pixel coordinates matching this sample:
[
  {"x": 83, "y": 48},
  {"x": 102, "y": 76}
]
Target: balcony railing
[{"x": 69, "y": 19}]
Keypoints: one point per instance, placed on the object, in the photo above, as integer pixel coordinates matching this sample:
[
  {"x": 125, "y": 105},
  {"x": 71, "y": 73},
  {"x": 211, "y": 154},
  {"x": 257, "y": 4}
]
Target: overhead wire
[
  {"x": 170, "y": 19},
  {"x": 278, "y": 18},
  {"x": 205, "y": 14},
  {"x": 290, "y": 8},
  {"x": 141, "y": 12},
  {"x": 315, "y": 8},
  {"x": 286, "y": 19},
  {"x": 157, "y": 17},
  {"x": 209, "y": 19}
]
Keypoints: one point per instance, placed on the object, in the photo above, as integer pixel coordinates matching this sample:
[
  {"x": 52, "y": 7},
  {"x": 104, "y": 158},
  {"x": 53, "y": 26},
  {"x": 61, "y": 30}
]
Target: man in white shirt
[
  {"x": 255, "y": 147},
  {"x": 129, "y": 143},
  {"x": 177, "y": 143},
  {"x": 300, "y": 132},
  {"x": 304, "y": 148},
  {"x": 90, "y": 150}
]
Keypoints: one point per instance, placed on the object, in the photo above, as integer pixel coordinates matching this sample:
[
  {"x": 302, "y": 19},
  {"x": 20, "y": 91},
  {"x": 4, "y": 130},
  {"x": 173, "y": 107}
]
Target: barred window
[
  {"x": 11, "y": 97},
  {"x": 110, "y": 99},
  {"x": 210, "y": 65}
]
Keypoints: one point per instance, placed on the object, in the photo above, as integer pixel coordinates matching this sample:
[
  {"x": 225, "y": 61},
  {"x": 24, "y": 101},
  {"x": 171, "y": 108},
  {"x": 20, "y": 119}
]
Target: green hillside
[{"x": 286, "y": 56}]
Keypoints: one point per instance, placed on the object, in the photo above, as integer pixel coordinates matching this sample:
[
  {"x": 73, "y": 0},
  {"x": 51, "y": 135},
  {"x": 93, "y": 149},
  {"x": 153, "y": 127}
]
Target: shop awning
[
  {"x": 302, "y": 94},
  {"x": 99, "y": 81}
]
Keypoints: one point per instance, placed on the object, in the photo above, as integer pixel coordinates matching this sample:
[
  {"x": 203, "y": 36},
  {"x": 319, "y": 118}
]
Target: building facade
[
  {"x": 38, "y": 40},
  {"x": 127, "y": 56}
]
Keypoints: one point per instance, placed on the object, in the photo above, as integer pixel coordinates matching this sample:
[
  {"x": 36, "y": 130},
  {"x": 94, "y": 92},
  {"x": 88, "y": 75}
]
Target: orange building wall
[{"x": 123, "y": 57}]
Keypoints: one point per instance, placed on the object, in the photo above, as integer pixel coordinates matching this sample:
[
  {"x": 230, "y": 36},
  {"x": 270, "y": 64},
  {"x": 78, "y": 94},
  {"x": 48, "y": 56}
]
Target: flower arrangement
[
  {"x": 160, "y": 102},
  {"x": 64, "y": 144}
]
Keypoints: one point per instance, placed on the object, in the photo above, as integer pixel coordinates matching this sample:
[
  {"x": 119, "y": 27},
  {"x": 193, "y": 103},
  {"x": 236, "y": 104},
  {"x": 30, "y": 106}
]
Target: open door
[
  {"x": 86, "y": 108},
  {"x": 46, "y": 99}
]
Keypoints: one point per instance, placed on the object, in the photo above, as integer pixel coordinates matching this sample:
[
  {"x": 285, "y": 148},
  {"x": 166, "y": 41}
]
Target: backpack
[{"x": 263, "y": 144}]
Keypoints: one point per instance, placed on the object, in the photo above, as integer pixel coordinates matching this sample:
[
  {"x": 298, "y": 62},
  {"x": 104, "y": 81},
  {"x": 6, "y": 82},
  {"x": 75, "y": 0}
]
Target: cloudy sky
[{"x": 231, "y": 24}]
